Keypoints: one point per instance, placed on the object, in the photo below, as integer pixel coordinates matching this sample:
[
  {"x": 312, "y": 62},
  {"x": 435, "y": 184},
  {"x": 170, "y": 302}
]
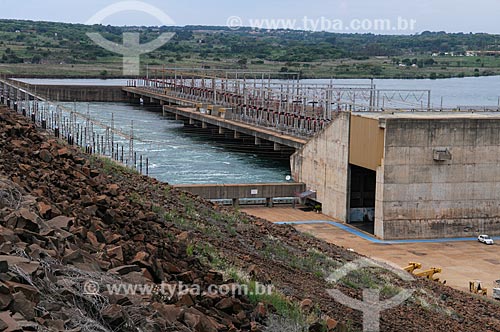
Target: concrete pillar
[
  {"x": 277, "y": 147},
  {"x": 204, "y": 125},
  {"x": 236, "y": 134},
  {"x": 191, "y": 121},
  {"x": 257, "y": 141},
  {"x": 177, "y": 117},
  {"x": 221, "y": 131}
]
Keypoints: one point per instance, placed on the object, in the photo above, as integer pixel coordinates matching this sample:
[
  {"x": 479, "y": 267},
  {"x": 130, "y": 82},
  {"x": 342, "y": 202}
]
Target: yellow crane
[
  {"x": 412, "y": 267},
  {"x": 429, "y": 274}
]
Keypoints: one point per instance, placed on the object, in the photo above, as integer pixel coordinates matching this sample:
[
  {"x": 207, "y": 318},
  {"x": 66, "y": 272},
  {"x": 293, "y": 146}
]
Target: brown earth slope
[{"x": 67, "y": 218}]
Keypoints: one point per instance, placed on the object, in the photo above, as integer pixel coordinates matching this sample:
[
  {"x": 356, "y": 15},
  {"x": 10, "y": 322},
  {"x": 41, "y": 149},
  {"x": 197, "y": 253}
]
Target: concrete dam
[{"x": 407, "y": 172}]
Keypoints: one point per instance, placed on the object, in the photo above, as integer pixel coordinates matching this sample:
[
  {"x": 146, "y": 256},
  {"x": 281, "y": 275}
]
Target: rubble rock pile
[{"x": 67, "y": 232}]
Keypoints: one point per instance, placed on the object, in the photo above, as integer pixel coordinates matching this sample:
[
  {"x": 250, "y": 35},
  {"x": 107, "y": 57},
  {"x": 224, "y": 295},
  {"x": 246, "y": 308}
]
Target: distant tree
[
  {"x": 429, "y": 62},
  {"x": 36, "y": 59},
  {"x": 376, "y": 71},
  {"x": 406, "y": 62}
]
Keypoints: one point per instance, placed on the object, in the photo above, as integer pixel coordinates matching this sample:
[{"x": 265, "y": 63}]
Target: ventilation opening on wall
[{"x": 363, "y": 183}]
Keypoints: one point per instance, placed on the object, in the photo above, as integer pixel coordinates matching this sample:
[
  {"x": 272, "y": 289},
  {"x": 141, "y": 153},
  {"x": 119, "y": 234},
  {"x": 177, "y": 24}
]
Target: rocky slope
[{"x": 69, "y": 221}]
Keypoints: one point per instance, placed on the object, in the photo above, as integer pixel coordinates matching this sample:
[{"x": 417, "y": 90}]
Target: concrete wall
[
  {"x": 379, "y": 203},
  {"x": 323, "y": 165},
  {"x": 230, "y": 191},
  {"x": 80, "y": 93},
  {"x": 423, "y": 198}
]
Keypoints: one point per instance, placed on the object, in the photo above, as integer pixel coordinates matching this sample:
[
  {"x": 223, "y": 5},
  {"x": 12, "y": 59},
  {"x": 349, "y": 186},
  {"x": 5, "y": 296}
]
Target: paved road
[{"x": 462, "y": 260}]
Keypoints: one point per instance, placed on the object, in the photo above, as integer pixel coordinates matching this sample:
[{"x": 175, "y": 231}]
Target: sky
[{"x": 360, "y": 16}]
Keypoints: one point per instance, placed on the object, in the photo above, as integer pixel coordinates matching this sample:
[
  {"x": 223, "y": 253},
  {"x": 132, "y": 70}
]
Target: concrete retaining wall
[
  {"x": 80, "y": 93},
  {"x": 425, "y": 198},
  {"x": 235, "y": 191},
  {"x": 323, "y": 165}
]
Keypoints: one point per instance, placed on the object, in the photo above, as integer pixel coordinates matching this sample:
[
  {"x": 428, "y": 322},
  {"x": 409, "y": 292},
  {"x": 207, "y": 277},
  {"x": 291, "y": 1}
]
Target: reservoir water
[
  {"x": 179, "y": 156},
  {"x": 477, "y": 91},
  {"x": 468, "y": 91}
]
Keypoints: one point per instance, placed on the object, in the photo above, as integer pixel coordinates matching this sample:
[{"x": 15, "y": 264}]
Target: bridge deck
[{"x": 187, "y": 109}]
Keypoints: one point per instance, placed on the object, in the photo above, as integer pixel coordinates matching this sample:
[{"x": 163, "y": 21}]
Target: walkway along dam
[{"x": 379, "y": 157}]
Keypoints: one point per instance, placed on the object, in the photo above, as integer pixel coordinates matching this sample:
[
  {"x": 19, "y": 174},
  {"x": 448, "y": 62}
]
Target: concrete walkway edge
[{"x": 374, "y": 239}]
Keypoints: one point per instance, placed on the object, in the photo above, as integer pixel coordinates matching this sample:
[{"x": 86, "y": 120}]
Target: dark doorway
[{"x": 363, "y": 183}]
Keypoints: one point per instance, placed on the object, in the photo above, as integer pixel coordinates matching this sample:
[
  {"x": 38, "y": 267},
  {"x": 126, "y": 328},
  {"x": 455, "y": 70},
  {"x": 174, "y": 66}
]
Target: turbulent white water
[{"x": 180, "y": 157}]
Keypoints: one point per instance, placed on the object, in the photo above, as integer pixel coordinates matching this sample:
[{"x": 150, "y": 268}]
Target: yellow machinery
[
  {"x": 476, "y": 288},
  {"x": 412, "y": 267},
  {"x": 429, "y": 274}
]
